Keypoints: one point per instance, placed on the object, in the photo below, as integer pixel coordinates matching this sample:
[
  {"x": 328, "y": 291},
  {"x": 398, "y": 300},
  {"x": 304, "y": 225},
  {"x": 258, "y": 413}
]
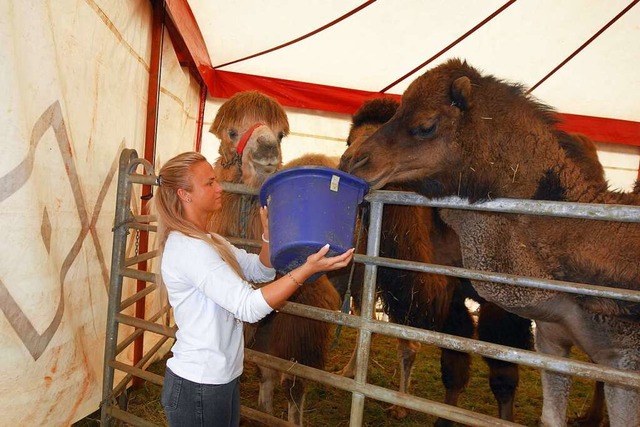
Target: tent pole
[
  {"x": 200, "y": 122},
  {"x": 157, "y": 33}
]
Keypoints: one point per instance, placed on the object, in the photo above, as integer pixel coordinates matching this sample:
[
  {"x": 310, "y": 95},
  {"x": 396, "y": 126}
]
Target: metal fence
[{"x": 121, "y": 267}]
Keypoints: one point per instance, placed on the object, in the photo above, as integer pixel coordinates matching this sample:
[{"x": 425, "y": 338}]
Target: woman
[{"x": 207, "y": 280}]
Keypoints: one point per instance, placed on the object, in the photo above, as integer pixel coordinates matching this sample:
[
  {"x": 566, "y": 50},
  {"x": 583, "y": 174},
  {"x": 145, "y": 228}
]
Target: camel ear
[{"x": 461, "y": 92}]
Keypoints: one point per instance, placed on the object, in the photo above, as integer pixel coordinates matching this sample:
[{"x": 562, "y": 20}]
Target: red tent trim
[
  {"x": 292, "y": 93},
  {"x": 223, "y": 84},
  {"x": 602, "y": 129},
  {"x": 346, "y": 101}
]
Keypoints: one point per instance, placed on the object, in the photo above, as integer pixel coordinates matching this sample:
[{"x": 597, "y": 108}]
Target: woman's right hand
[
  {"x": 264, "y": 220},
  {"x": 320, "y": 262},
  {"x": 277, "y": 292}
]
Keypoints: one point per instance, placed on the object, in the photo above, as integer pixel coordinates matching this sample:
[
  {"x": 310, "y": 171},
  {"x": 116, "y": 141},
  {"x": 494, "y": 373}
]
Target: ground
[{"x": 326, "y": 407}]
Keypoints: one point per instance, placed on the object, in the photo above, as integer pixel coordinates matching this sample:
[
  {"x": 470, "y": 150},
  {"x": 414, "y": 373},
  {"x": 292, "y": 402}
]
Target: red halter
[{"x": 245, "y": 138}]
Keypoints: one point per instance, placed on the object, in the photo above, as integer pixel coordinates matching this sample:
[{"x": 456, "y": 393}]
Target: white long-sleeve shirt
[{"x": 209, "y": 302}]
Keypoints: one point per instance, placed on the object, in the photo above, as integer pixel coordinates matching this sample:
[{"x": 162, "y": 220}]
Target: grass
[{"x": 331, "y": 407}]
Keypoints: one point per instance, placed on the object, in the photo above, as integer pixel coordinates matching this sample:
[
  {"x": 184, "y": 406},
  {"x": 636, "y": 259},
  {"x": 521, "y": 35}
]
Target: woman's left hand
[{"x": 264, "y": 219}]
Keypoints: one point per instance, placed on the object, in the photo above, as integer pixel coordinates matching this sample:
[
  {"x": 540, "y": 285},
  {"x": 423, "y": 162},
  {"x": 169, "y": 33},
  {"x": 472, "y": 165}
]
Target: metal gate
[{"x": 121, "y": 267}]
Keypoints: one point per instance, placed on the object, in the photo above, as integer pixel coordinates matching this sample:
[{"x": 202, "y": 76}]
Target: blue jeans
[{"x": 189, "y": 404}]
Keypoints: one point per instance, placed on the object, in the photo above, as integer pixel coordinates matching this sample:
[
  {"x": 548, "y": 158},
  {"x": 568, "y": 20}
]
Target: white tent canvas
[
  {"x": 384, "y": 45},
  {"x": 75, "y": 78}
]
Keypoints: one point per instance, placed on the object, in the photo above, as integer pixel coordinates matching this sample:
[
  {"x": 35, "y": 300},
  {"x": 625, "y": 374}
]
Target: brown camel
[
  {"x": 433, "y": 301},
  {"x": 459, "y": 132},
  {"x": 250, "y": 126}
]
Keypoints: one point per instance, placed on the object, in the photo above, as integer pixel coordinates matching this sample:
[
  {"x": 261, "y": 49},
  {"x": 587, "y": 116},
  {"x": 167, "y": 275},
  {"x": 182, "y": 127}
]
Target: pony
[
  {"x": 461, "y": 132},
  {"x": 251, "y": 126},
  {"x": 432, "y": 301}
]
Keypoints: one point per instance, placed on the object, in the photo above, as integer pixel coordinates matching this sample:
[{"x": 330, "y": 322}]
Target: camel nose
[
  {"x": 344, "y": 162},
  {"x": 267, "y": 148},
  {"x": 352, "y": 163}
]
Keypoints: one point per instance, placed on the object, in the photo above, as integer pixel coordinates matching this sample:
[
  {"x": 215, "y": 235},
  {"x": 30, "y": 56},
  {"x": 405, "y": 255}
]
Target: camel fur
[
  {"x": 459, "y": 132},
  {"x": 432, "y": 301},
  {"x": 298, "y": 339}
]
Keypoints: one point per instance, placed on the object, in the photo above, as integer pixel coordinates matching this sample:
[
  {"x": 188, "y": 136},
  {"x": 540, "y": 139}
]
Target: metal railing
[{"x": 359, "y": 387}]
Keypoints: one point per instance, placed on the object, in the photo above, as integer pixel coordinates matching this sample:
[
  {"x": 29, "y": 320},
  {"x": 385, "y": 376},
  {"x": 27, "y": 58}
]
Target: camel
[
  {"x": 433, "y": 301},
  {"x": 459, "y": 132},
  {"x": 584, "y": 152},
  {"x": 250, "y": 126}
]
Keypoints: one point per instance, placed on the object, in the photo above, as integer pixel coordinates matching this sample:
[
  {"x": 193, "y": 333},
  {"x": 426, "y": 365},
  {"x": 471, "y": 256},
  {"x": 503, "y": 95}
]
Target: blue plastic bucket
[{"x": 309, "y": 207}]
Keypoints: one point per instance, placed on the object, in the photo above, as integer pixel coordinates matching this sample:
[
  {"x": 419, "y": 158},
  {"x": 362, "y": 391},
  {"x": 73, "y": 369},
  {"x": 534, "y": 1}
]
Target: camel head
[
  {"x": 458, "y": 132},
  {"x": 250, "y": 126},
  {"x": 364, "y": 123},
  {"x": 414, "y": 144}
]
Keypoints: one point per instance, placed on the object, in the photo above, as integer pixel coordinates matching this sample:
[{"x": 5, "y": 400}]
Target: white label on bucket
[{"x": 335, "y": 180}]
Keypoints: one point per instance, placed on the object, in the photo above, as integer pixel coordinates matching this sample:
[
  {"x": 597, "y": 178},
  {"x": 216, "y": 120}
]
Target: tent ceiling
[{"x": 385, "y": 40}]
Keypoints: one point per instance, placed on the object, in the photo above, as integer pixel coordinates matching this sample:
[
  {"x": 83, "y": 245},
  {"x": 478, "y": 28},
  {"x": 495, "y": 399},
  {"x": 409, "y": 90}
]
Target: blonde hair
[{"x": 175, "y": 174}]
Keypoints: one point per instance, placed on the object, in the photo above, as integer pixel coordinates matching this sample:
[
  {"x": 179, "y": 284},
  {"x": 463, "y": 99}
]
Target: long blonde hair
[{"x": 175, "y": 174}]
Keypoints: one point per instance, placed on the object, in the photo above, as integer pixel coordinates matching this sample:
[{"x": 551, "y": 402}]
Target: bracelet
[
  {"x": 263, "y": 239},
  {"x": 294, "y": 279}
]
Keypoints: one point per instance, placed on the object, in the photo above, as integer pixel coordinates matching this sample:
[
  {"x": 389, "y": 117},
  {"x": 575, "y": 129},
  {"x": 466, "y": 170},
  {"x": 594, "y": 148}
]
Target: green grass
[{"x": 331, "y": 408}]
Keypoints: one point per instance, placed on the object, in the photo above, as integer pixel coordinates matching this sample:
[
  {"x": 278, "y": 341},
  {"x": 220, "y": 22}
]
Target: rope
[
  {"x": 455, "y": 42},
  {"x": 347, "y": 295},
  {"x": 584, "y": 45},
  {"x": 289, "y": 43}
]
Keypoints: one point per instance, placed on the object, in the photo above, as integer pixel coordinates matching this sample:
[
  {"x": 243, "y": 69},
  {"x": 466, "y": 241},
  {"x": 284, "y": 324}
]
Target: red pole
[
  {"x": 149, "y": 155},
  {"x": 203, "y": 102}
]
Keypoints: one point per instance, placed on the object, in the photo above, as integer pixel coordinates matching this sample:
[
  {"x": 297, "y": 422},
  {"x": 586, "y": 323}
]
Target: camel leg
[
  {"x": 454, "y": 365},
  {"x": 623, "y": 405},
  {"x": 498, "y": 326},
  {"x": 595, "y": 414},
  {"x": 555, "y": 386},
  {"x": 294, "y": 390},
  {"x": 503, "y": 380},
  {"x": 268, "y": 379},
  {"x": 454, "y": 368},
  {"x": 555, "y": 393},
  {"x": 407, "y": 351}
]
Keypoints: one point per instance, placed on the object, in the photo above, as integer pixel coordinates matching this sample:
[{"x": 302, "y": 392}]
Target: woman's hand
[
  {"x": 265, "y": 255},
  {"x": 277, "y": 292},
  {"x": 264, "y": 219},
  {"x": 319, "y": 262}
]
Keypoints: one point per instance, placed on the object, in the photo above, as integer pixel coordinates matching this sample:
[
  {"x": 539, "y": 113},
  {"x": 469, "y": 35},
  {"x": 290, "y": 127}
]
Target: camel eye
[
  {"x": 280, "y": 136},
  {"x": 423, "y": 132},
  {"x": 233, "y": 134}
]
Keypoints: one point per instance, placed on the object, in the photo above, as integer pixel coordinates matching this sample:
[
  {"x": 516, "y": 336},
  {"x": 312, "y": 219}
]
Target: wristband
[{"x": 294, "y": 279}]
